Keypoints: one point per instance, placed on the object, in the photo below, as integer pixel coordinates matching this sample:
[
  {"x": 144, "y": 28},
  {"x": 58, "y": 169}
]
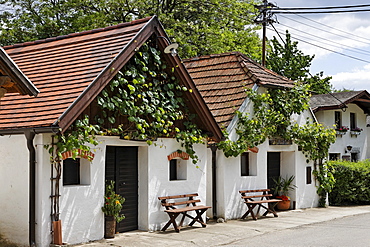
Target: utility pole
[{"x": 264, "y": 17}]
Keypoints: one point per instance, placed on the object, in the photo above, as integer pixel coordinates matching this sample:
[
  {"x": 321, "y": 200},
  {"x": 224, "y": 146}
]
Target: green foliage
[
  {"x": 314, "y": 140},
  {"x": 352, "y": 184},
  {"x": 112, "y": 202},
  {"x": 147, "y": 92},
  {"x": 143, "y": 102},
  {"x": 79, "y": 136},
  {"x": 271, "y": 117},
  {"x": 287, "y": 60},
  {"x": 283, "y": 185},
  {"x": 200, "y": 27}
]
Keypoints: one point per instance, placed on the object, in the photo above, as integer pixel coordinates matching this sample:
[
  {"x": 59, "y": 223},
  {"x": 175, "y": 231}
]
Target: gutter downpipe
[
  {"x": 214, "y": 180},
  {"x": 30, "y": 135}
]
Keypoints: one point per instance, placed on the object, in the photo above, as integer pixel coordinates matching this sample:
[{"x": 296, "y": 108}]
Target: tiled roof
[
  {"x": 13, "y": 80},
  {"x": 221, "y": 80},
  {"x": 61, "y": 68},
  {"x": 339, "y": 100},
  {"x": 70, "y": 71}
]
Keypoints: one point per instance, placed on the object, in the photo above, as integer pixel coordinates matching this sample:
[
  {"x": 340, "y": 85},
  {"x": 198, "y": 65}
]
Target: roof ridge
[{"x": 41, "y": 41}]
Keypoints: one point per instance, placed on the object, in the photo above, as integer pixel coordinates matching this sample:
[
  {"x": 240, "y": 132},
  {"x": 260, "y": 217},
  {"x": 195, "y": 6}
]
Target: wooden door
[
  {"x": 273, "y": 168},
  {"x": 121, "y": 166}
]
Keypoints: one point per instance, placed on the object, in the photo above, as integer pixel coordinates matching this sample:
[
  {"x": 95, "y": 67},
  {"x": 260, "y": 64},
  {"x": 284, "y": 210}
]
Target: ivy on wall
[
  {"x": 143, "y": 102},
  {"x": 271, "y": 117}
]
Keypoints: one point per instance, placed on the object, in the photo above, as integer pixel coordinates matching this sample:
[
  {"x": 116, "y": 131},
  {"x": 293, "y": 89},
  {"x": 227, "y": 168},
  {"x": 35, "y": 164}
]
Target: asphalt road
[{"x": 347, "y": 231}]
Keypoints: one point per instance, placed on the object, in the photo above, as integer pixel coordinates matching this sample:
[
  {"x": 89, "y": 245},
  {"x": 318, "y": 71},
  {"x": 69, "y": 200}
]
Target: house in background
[
  {"x": 346, "y": 112},
  {"x": 71, "y": 71},
  {"x": 222, "y": 79},
  {"x": 12, "y": 80}
]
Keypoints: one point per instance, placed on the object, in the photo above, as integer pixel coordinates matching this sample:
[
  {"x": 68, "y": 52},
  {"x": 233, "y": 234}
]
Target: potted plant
[
  {"x": 281, "y": 189},
  {"x": 112, "y": 209}
]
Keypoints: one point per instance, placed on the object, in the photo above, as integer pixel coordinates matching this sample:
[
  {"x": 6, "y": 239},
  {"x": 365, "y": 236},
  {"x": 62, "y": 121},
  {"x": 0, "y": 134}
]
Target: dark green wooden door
[
  {"x": 121, "y": 166},
  {"x": 273, "y": 168}
]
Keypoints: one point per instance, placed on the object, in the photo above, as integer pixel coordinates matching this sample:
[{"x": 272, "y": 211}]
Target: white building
[
  {"x": 347, "y": 113},
  {"x": 70, "y": 72},
  {"x": 221, "y": 80}
]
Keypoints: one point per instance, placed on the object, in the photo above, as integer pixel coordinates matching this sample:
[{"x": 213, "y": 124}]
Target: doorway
[
  {"x": 273, "y": 168},
  {"x": 121, "y": 166}
]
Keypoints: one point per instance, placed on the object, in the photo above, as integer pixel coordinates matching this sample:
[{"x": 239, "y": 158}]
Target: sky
[{"x": 346, "y": 33}]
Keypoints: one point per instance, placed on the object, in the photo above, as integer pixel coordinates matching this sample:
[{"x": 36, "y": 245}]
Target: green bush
[{"x": 352, "y": 183}]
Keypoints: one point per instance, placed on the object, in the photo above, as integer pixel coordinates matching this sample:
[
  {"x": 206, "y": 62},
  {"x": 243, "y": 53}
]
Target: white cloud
[{"x": 357, "y": 79}]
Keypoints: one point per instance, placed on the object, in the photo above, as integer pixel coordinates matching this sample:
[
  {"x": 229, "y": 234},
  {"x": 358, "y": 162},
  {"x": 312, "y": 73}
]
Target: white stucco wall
[
  {"x": 293, "y": 162},
  {"x": 14, "y": 193},
  {"x": 360, "y": 141},
  {"x": 81, "y": 213}
]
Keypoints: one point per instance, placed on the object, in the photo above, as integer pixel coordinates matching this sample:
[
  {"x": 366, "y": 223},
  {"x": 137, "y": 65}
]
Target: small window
[
  {"x": 334, "y": 156},
  {"x": 354, "y": 157},
  {"x": 338, "y": 119},
  {"x": 71, "y": 171},
  {"x": 308, "y": 174},
  {"x": 352, "y": 119},
  {"x": 76, "y": 172},
  {"x": 178, "y": 169},
  {"x": 244, "y": 164}
]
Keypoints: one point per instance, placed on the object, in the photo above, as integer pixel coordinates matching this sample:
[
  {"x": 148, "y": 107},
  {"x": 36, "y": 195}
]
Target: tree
[
  {"x": 287, "y": 60},
  {"x": 200, "y": 27}
]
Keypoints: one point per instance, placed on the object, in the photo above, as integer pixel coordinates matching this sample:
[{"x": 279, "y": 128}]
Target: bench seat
[
  {"x": 249, "y": 199},
  {"x": 171, "y": 204}
]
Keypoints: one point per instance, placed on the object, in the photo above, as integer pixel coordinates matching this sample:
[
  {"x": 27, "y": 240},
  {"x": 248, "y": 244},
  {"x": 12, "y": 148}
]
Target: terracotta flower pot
[
  {"x": 283, "y": 205},
  {"x": 110, "y": 227}
]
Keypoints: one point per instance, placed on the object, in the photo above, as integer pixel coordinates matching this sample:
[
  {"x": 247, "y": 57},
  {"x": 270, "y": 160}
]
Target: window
[
  {"x": 244, "y": 164},
  {"x": 352, "y": 119},
  {"x": 76, "y": 171},
  {"x": 178, "y": 169},
  {"x": 308, "y": 174},
  {"x": 338, "y": 119},
  {"x": 334, "y": 156},
  {"x": 71, "y": 171}
]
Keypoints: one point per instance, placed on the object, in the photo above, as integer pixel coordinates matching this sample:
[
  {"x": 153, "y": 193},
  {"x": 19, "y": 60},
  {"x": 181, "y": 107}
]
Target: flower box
[
  {"x": 338, "y": 132},
  {"x": 355, "y": 132}
]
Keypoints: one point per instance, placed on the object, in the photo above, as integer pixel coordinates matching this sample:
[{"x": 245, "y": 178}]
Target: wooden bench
[
  {"x": 171, "y": 204},
  {"x": 264, "y": 195}
]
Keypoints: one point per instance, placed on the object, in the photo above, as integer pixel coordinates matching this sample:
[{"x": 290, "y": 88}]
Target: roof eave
[{"x": 11, "y": 69}]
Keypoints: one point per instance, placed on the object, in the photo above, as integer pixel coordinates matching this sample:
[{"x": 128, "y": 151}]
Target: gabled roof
[
  {"x": 13, "y": 80},
  {"x": 221, "y": 80},
  {"x": 71, "y": 71},
  {"x": 334, "y": 101}
]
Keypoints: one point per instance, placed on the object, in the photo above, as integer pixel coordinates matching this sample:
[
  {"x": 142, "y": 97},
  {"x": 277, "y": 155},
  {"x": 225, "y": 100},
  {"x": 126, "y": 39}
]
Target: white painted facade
[
  {"x": 359, "y": 143},
  {"x": 80, "y": 205},
  {"x": 292, "y": 162}
]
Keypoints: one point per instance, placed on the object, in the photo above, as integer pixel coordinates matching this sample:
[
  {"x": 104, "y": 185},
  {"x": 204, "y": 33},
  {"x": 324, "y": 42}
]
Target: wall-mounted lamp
[
  {"x": 348, "y": 148},
  {"x": 171, "y": 48}
]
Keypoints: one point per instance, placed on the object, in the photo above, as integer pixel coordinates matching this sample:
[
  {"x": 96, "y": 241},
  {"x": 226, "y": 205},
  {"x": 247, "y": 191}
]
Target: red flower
[{"x": 284, "y": 198}]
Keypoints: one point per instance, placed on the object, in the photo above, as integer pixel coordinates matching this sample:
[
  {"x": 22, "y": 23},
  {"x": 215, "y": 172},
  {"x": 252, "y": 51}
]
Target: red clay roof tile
[
  {"x": 221, "y": 79},
  {"x": 61, "y": 68}
]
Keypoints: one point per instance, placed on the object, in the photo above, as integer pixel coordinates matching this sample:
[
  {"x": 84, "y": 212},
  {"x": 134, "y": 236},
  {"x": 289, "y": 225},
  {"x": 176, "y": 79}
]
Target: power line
[
  {"x": 324, "y": 48},
  {"x": 333, "y": 28},
  {"x": 354, "y": 49},
  {"x": 319, "y": 12},
  {"x": 330, "y": 7}
]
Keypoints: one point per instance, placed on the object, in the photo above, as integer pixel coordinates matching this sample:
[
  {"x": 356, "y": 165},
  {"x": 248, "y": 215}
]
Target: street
[
  {"x": 347, "y": 231},
  {"x": 316, "y": 227}
]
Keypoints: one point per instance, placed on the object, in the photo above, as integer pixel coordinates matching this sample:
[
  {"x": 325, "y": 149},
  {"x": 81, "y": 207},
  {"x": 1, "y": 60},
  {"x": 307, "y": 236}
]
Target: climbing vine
[
  {"x": 271, "y": 118},
  {"x": 143, "y": 102}
]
